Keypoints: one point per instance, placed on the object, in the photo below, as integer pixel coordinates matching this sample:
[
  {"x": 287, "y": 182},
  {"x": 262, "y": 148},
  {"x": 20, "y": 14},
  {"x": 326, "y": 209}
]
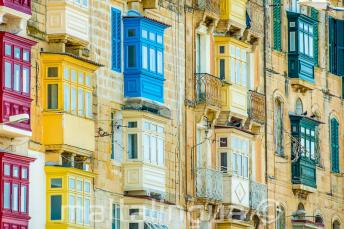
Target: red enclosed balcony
[
  {"x": 14, "y": 189},
  {"x": 14, "y": 14},
  {"x": 15, "y": 84}
]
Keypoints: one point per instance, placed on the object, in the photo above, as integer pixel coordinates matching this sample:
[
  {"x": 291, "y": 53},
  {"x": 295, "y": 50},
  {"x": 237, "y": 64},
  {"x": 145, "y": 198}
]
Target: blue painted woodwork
[
  {"x": 144, "y": 58},
  {"x": 300, "y": 65},
  {"x": 303, "y": 150},
  {"x": 116, "y": 40}
]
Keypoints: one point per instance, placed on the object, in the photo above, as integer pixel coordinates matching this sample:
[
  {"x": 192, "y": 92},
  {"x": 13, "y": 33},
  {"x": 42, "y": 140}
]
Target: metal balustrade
[{"x": 209, "y": 184}]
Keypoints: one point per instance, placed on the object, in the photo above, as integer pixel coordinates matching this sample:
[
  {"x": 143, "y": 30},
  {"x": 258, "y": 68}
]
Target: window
[
  {"x": 87, "y": 186},
  {"x": 26, "y": 80},
  {"x": 277, "y": 25},
  {"x": 334, "y": 145},
  {"x": 280, "y": 218},
  {"x": 238, "y": 65},
  {"x": 336, "y": 225},
  {"x": 132, "y": 146},
  {"x": 131, "y": 56},
  {"x": 222, "y": 49},
  {"x": 144, "y": 57},
  {"x": 24, "y": 173},
  {"x": 278, "y": 127},
  {"x": 87, "y": 210},
  {"x": 79, "y": 185},
  {"x": 132, "y": 124},
  {"x": 16, "y": 82},
  {"x": 8, "y": 74},
  {"x": 23, "y": 199},
  {"x": 52, "y": 96},
  {"x": 131, "y": 32},
  {"x": 56, "y": 183},
  {"x": 7, "y": 195},
  {"x": 222, "y": 70},
  {"x": 298, "y": 107},
  {"x": 116, "y": 216},
  {"x": 74, "y": 104},
  {"x": 8, "y": 50},
  {"x": 52, "y": 72},
  {"x": 71, "y": 183},
  {"x": 133, "y": 226},
  {"x": 306, "y": 39},
  {"x": 66, "y": 97},
  {"x": 336, "y": 46},
  {"x": 81, "y": 102},
  {"x": 55, "y": 207},
  {"x": 239, "y": 158},
  {"x": 224, "y": 162},
  {"x": 26, "y": 55},
  {"x": 72, "y": 209},
  {"x": 159, "y": 59},
  {"x": 116, "y": 35},
  {"x": 7, "y": 170},
  {"x": 152, "y": 66},
  {"x": 79, "y": 210},
  {"x": 153, "y": 150},
  {"x": 294, "y": 6},
  {"x": 15, "y": 197},
  {"x": 223, "y": 142},
  {"x": 17, "y": 53},
  {"x": 15, "y": 171}
]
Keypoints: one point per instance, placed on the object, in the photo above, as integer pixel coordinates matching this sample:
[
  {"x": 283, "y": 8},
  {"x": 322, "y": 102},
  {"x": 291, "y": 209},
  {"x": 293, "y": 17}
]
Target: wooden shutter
[
  {"x": 332, "y": 45},
  {"x": 277, "y": 27},
  {"x": 116, "y": 34},
  {"x": 314, "y": 15},
  {"x": 340, "y": 47},
  {"x": 334, "y": 146}
]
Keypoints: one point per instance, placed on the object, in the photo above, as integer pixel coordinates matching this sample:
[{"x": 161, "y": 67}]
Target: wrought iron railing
[
  {"x": 212, "y": 6},
  {"x": 255, "y": 15},
  {"x": 258, "y": 197},
  {"x": 208, "y": 89},
  {"x": 256, "y": 109},
  {"x": 209, "y": 184}
]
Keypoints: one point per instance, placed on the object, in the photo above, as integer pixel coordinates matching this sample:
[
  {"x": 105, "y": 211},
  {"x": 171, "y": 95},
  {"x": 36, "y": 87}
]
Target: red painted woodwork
[
  {"x": 10, "y": 219},
  {"x": 14, "y": 102},
  {"x": 19, "y": 5}
]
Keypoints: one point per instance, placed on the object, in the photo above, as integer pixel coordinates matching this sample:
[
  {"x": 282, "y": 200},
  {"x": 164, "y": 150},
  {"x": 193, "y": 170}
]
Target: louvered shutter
[
  {"x": 314, "y": 15},
  {"x": 116, "y": 39},
  {"x": 277, "y": 29},
  {"x": 334, "y": 146},
  {"x": 332, "y": 45},
  {"x": 340, "y": 47}
]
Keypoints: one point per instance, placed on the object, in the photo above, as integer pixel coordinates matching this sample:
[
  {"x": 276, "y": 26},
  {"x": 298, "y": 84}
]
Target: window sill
[
  {"x": 282, "y": 156},
  {"x": 337, "y": 174}
]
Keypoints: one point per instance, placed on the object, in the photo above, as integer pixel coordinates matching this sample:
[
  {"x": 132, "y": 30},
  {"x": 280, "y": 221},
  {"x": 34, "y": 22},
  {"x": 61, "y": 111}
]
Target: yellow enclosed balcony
[
  {"x": 232, "y": 66},
  {"x": 69, "y": 198},
  {"x": 232, "y": 15},
  {"x": 68, "y": 124},
  {"x": 68, "y": 21}
]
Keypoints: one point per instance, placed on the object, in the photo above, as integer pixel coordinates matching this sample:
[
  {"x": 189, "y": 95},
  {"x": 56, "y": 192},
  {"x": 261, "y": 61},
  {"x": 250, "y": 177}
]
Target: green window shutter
[
  {"x": 332, "y": 44},
  {"x": 315, "y": 15},
  {"x": 334, "y": 146},
  {"x": 277, "y": 27}
]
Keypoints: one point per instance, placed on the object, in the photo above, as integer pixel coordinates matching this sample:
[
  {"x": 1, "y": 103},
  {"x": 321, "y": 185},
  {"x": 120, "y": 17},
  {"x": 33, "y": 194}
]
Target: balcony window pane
[
  {"x": 81, "y": 102},
  {"x": 312, "y": 150},
  {"x": 87, "y": 187},
  {"x": 238, "y": 72},
  {"x": 26, "y": 80},
  {"x": 7, "y": 170},
  {"x": 52, "y": 96},
  {"x": 146, "y": 126},
  {"x": 56, "y": 183},
  {"x": 73, "y": 73},
  {"x": 160, "y": 70},
  {"x": 72, "y": 209},
  {"x": 144, "y": 57},
  {"x": 160, "y": 151},
  {"x": 87, "y": 208},
  {"x": 74, "y": 97},
  {"x": 15, "y": 196},
  {"x": 8, "y": 50},
  {"x": 311, "y": 54},
  {"x": 152, "y": 60},
  {"x": 15, "y": 171},
  {"x": 132, "y": 124},
  {"x": 71, "y": 183},
  {"x": 79, "y": 185},
  {"x": 159, "y": 39},
  {"x": 223, "y": 142},
  {"x": 239, "y": 163},
  {"x": 131, "y": 56},
  {"x": 88, "y": 80},
  {"x": 144, "y": 34},
  {"x": 306, "y": 44},
  {"x": 24, "y": 173},
  {"x": 26, "y": 55},
  {"x": 152, "y": 36},
  {"x": 133, "y": 226},
  {"x": 66, "y": 97},
  {"x": 232, "y": 70},
  {"x": 292, "y": 42},
  {"x": 222, "y": 67},
  {"x": 234, "y": 164},
  {"x": 7, "y": 195},
  {"x": 55, "y": 207},
  {"x": 23, "y": 199},
  {"x": 17, "y": 53},
  {"x": 53, "y": 72},
  {"x": 245, "y": 166},
  {"x": 79, "y": 210},
  {"x": 131, "y": 32},
  {"x": 244, "y": 75},
  {"x": 132, "y": 146},
  {"x": 160, "y": 130},
  {"x": 81, "y": 78},
  {"x": 153, "y": 149},
  {"x": 8, "y": 75},
  {"x": 88, "y": 104},
  {"x": 224, "y": 162},
  {"x": 222, "y": 49},
  {"x": 85, "y": 3},
  {"x": 146, "y": 148},
  {"x": 301, "y": 49},
  {"x": 16, "y": 81}
]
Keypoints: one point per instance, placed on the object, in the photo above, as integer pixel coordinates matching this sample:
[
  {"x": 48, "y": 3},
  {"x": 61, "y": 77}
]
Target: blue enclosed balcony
[
  {"x": 144, "y": 58},
  {"x": 301, "y": 46}
]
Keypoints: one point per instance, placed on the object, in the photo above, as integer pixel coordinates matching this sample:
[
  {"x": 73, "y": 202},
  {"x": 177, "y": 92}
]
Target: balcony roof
[{"x": 75, "y": 57}]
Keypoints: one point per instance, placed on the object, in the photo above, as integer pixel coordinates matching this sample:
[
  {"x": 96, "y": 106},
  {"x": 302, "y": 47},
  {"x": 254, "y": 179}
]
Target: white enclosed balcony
[
  {"x": 68, "y": 21},
  {"x": 209, "y": 185}
]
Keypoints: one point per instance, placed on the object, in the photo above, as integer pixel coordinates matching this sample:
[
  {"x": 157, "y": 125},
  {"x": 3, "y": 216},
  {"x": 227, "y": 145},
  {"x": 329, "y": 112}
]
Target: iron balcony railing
[
  {"x": 209, "y": 184},
  {"x": 256, "y": 108},
  {"x": 212, "y": 6},
  {"x": 208, "y": 89},
  {"x": 258, "y": 197}
]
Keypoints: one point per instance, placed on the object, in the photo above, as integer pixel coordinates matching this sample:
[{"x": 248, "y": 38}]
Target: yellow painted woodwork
[
  {"x": 234, "y": 224},
  {"x": 234, "y": 11},
  {"x": 234, "y": 96},
  {"x": 65, "y": 173},
  {"x": 68, "y": 125}
]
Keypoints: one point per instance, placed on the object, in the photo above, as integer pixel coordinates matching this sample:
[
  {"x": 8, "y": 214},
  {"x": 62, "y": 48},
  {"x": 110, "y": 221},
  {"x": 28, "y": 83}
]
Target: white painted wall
[{"x": 37, "y": 191}]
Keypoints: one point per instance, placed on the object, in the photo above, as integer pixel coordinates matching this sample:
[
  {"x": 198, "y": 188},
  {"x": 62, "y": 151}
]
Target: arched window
[
  {"x": 280, "y": 218},
  {"x": 334, "y": 146},
  {"x": 298, "y": 107},
  {"x": 336, "y": 225},
  {"x": 319, "y": 221},
  {"x": 278, "y": 125}
]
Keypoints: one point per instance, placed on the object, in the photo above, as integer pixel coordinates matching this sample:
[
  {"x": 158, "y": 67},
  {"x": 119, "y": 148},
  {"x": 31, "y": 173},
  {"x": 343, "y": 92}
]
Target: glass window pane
[
  {"x": 74, "y": 97},
  {"x": 146, "y": 125},
  {"x": 245, "y": 167},
  {"x": 222, "y": 70},
  {"x": 81, "y": 104},
  {"x": 88, "y": 104},
  {"x": 160, "y": 151},
  {"x": 71, "y": 183},
  {"x": 56, "y": 183},
  {"x": 160, "y": 130},
  {"x": 160, "y": 69},
  {"x": 131, "y": 56},
  {"x": 16, "y": 81},
  {"x": 152, "y": 60},
  {"x": 144, "y": 33},
  {"x": 292, "y": 45},
  {"x": 310, "y": 46},
  {"x": 26, "y": 55},
  {"x": 24, "y": 173},
  {"x": 144, "y": 57},
  {"x": 79, "y": 185},
  {"x": 73, "y": 73},
  {"x": 23, "y": 199},
  {"x": 87, "y": 187},
  {"x": 222, "y": 49},
  {"x": 15, "y": 196},
  {"x": 131, "y": 32},
  {"x": 15, "y": 171},
  {"x": 244, "y": 75},
  {"x": 85, "y": 3},
  {"x": 151, "y": 36},
  {"x": 52, "y": 96},
  {"x": 88, "y": 80},
  {"x": 132, "y": 146},
  {"x": 79, "y": 210},
  {"x": 7, "y": 170},
  {"x": 224, "y": 162},
  {"x": 26, "y": 80},
  {"x": 8, "y": 74},
  {"x": 81, "y": 78},
  {"x": 55, "y": 207},
  {"x": 71, "y": 209},
  {"x": 301, "y": 49},
  {"x": 66, "y": 97},
  {"x": 87, "y": 207},
  {"x": 8, "y": 50},
  {"x": 17, "y": 53},
  {"x": 146, "y": 147},
  {"x": 7, "y": 195},
  {"x": 232, "y": 70},
  {"x": 153, "y": 149},
  {"x": 159, "y": 39},
  {"x": 52, "y": 71},
  {"x": 234, "y": 164}
]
